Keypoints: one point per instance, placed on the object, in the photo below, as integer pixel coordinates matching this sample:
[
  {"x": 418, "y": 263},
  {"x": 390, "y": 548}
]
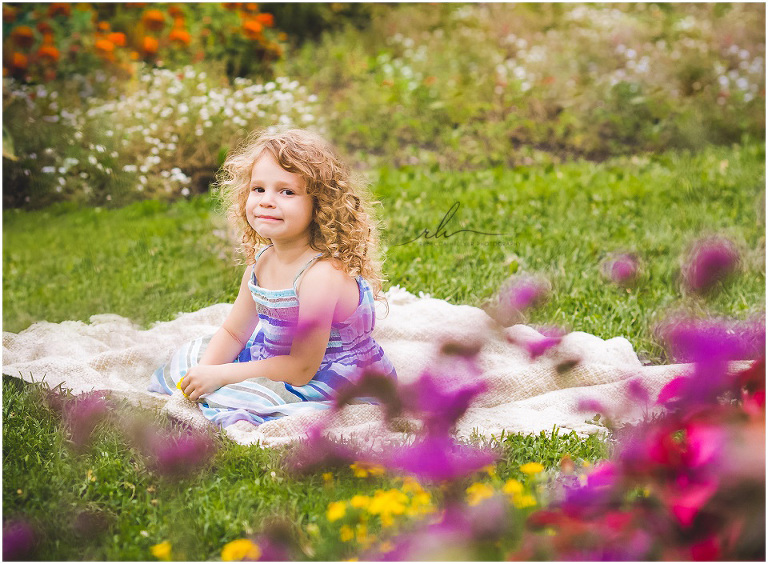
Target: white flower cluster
[{"x": 167, "y": 118}]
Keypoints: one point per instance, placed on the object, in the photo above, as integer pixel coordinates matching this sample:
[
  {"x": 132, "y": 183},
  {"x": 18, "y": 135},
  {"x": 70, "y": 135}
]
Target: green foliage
[
  {"x": 560, "y": 221},
  {"x": 103, "y": 503},
  {"x": 149, "y": 259},
  {"x": 468, "y": 86}
]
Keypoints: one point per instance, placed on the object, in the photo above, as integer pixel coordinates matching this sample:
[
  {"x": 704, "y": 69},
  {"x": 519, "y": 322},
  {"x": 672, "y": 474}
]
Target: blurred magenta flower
[
  {"x": 83, "y": 414},
  {"x": 622, "y": 269},
  {"x": 19, "y": 540},
  {"x": 319, "y": 452},
  {"x": 525, "y": 291},
  {"x": 438, "y": 458},
  {"x": 179, "y": 456},
  {"x": 437, "y": 404},
  {"x": 711, "y": 260}
]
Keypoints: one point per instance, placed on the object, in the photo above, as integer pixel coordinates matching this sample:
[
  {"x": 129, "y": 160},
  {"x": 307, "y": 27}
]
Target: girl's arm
[
  {"x": 321, "y": 289},
  {"x": 237, "y": 328}
]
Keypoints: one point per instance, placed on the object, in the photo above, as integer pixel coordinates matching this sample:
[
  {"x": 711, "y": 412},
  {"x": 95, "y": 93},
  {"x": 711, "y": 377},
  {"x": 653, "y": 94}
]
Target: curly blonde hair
[{"x": 343, "y": 225}]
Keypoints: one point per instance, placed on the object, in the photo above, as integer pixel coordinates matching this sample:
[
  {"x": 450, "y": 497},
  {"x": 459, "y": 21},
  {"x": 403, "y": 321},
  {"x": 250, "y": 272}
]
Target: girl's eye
[
  {"x": 288, "y": 192},
  {"x": 257, "y": 189}
]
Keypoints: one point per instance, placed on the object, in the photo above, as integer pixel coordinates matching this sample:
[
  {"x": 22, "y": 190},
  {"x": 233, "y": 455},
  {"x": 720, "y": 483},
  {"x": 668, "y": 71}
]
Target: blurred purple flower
[
  {"x": 374, "y": 386},
  {"x": 179, "y": 456},
  {"x": 710, "y": 345},
  {"x": 593, "y": 498},
  {"x": 711, "y": 260},
  {"x": 83, "y": 414},
  {"x": 319, "y": 451},
  {"x": 622, "y": 269},
  {"x": 525, "y": 292},
  {"x": 19, "y": 540},
  {"x": 638, "y": 392},
  {"x": 438, "y": 458},
  {"x": 437, "y": 404}
]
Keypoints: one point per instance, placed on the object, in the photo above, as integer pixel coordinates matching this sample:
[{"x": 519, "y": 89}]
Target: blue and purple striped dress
[{"x": 351, "y": 351}]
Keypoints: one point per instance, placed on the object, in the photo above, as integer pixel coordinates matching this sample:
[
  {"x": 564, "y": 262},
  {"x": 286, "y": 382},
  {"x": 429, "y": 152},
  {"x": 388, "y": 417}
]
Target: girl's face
[{"x": 278, "y": 206}]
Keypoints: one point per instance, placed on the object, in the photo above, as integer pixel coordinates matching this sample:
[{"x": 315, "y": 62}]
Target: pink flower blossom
[
  {"x": 622, "y": 269},
  {"x": 709, "y": 262}
]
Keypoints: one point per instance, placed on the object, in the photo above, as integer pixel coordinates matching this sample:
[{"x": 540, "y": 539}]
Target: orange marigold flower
[
  {"x": 117, "y": 38},
  {"x": 252, "y": 29},
  {"x": 103, "y": 26},
  {"x": 175, "y": 11},
  {"x": 153, "y": 19},
  {"x": 20, "y": 61},
  {"x": 267, "y": 20},
  {"x": 44, "y": 27},
  {"x": 48, "y": 52},
  {"x": 60, "y": 9},
  {"x": 48, "y": 39},
  {"x": 23, "y": 36},
  {"x": 9, "y": 15},
  {"x": 104, "y": 46},
  {"x": 134, "y": 55},
  {"x": 251, "y": 7},
  {"x": 149, "y": 45},
  {"x": 180, "y": 36},
  {"x": 179, "y": 22}
]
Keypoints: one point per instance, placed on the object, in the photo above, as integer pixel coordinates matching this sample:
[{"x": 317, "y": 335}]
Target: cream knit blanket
[{"x": 523, "y": 396}]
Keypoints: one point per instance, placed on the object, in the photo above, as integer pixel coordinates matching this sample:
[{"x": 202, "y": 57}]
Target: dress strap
[
  {"x": 255, "y": 260},
  {"x": 306, "y": 266},
  {"x": 261, "y": 252}
]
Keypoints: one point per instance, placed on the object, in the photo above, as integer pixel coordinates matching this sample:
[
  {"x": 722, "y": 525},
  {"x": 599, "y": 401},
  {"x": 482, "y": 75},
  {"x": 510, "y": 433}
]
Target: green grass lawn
[{"x": 149, "y": 261}]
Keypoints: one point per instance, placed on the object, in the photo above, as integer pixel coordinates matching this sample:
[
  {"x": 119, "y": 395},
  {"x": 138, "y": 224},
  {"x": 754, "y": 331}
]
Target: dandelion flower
[
  {"x": 531, "y": 468},
  {"x": 346, "y": 533},
  {"x": 512, "y": 487},
  {"x": 162, "y": 551},
  {"x": 477, "y": 492},
  {"x": 523, "y": 501},
  {"x": 360, "y": 501},
  {"x": 336, "y": 510},
  {"x": 240, "y": 549}
]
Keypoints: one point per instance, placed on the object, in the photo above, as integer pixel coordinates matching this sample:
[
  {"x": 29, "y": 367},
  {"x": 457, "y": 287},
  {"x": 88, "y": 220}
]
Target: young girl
[{"x": 301, "y": 324}]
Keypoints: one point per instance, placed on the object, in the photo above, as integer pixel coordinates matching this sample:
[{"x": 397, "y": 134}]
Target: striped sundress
[{"x": 351, "y": 351}]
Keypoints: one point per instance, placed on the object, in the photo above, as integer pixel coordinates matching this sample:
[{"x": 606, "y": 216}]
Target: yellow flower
[
  {"x": 531, "y": 468},
  {"x": 327, "y": 477},
  {"x": 477, "y": 492},
  {"x": 384, "y": 503},
  {"x": 162, "y": 551},
  {"x": 523, "y": 501},
  {"x": 361, "y": 533},
  {"x": 490, "y": 470},
  {"x": 360, "y": 501},
  {"x": 387, "y": 520},
  {"x": 362, "y": 469},
  {"x": 336, "y": 510},
  {"x": 346, "y": 533},
  {"x": 240, "y": 549},
  {"x": 512, "y": 487},
  {"x": 410, "y": 485}
]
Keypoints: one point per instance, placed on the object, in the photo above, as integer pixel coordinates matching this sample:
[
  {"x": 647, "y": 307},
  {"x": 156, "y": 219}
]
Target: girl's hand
[{"x": 202, "y": 379}]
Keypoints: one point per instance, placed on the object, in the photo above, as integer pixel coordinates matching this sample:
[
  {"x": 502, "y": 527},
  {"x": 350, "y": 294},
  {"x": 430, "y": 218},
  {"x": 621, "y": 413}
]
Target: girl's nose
[{"x": 266, "y": 199}]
